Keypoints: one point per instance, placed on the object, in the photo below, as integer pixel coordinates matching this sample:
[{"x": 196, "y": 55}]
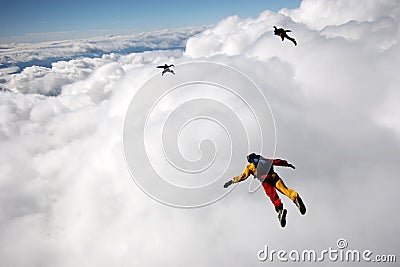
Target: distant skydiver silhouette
[
  {"x": 263, "y": 169},
  {"x": 283, "y": 34},
  {"x": 166, "y": 69}
]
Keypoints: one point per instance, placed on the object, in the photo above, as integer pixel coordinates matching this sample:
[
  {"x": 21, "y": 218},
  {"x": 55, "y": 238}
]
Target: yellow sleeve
[{"x": 250, "y": 169}]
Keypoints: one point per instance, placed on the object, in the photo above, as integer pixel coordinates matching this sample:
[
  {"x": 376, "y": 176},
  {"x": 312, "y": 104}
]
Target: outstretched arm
[
  {"x": 282, "y": 162},
  {"x": 250, "y": 169}
]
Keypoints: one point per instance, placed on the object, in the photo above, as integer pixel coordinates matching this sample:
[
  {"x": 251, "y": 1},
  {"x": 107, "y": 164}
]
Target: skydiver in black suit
[
  {"x": 283, "y": 34},
  {"x": 166, "y": 69}
]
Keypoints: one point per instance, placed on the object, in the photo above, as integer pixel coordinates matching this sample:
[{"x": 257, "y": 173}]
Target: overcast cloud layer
[{"x": 66, "y": 196}]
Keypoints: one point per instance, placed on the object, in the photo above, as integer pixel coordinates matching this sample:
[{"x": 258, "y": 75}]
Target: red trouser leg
[{"x": 271, "y": 192}]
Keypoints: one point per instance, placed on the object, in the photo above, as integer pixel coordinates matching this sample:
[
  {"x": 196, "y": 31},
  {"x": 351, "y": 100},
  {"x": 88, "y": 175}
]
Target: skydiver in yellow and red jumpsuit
[{"x": 263, "y": 169}]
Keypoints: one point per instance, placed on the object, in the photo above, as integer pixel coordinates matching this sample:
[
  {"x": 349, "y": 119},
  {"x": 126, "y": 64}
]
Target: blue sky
[{"x": 42, "y": 19}]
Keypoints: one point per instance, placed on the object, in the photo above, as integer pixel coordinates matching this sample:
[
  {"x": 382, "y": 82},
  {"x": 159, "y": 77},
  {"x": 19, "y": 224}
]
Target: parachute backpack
[{"x": 262, "y": 164}]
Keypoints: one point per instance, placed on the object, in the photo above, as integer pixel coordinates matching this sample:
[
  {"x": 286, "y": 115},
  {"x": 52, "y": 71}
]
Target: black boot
[
  {"x": 282, "y": 216},
  {"x": 299, "y": 203}
]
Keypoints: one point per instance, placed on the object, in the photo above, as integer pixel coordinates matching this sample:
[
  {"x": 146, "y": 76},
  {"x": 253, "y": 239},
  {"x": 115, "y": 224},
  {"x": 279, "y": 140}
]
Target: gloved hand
[
  {"x": 291, "y": 166},
  {"x": 228, "y": 184}
]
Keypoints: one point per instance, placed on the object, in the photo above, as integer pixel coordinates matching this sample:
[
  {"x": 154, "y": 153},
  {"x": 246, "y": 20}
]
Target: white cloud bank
[
  {"x": 28, "y": 54},
  {"x": 67, "y": 198}
]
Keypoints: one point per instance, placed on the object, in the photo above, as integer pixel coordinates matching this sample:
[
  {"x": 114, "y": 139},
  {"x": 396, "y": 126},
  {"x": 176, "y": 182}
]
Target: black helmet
[{"x": 251, "y": 157}]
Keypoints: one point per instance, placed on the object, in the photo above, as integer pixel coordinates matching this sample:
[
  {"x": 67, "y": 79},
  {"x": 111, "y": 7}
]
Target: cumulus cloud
[
  {"x": 318, "y": 15},
  {"x": 67, "y": 197}
]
